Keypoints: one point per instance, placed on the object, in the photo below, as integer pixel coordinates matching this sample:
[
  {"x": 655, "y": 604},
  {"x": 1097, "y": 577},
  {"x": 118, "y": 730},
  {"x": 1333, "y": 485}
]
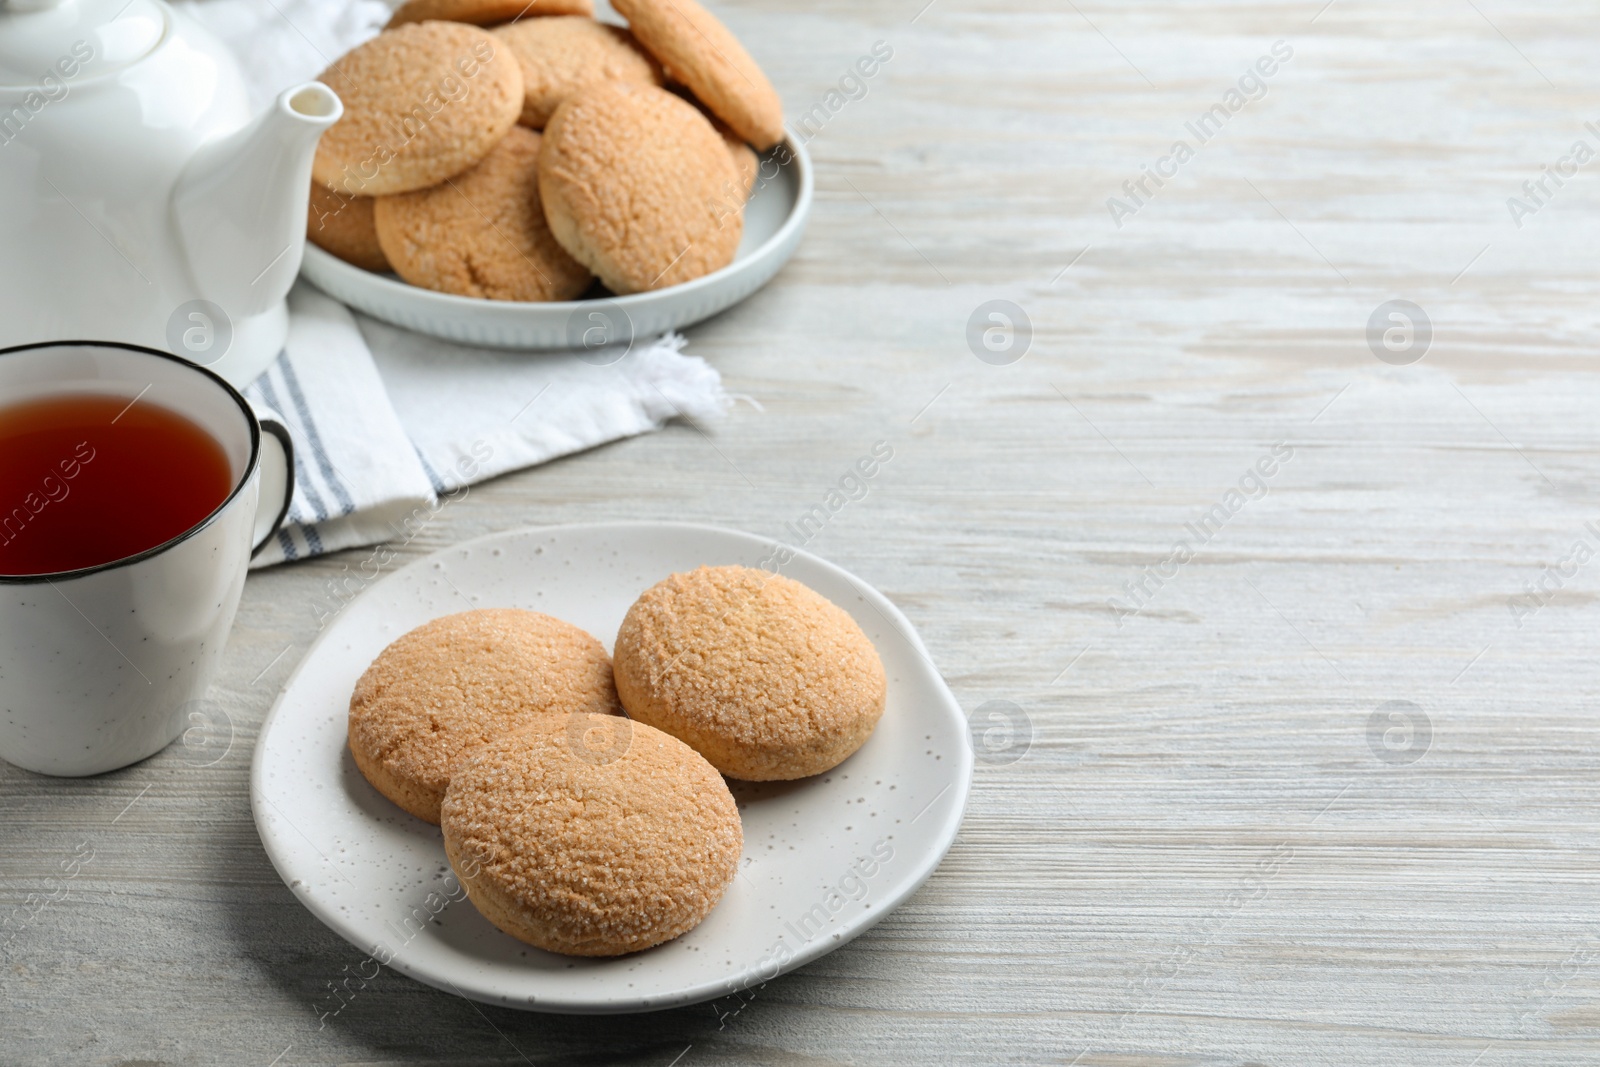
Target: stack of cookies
[
  {"x": 582, "y": 801},
  {"x": 516, "y": 150}
]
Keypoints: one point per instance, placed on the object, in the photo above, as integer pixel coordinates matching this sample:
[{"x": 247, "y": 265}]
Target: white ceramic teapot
[{"x": 143, "y": 204}]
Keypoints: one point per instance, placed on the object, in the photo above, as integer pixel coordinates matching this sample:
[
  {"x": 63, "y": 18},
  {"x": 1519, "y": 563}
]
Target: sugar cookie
[
  {"x": 699, "y": 51},
  {"x": 481, "y": 233},
  {"x": 462, "y": 680},
  {"x": 591, "y": 836},
  {"x": 422, "y": 103},
  {"x": 485, "y": 12},
  {"x": 342, "y": 225},
  {"x": 635, "y": 182},
  {"x": 560, "y": 56},
  {"x": 761, "y": 675}
]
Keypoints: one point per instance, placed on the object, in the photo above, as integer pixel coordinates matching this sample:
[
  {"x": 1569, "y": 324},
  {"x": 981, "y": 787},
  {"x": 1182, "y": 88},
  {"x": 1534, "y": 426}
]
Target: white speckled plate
[
  {"x": 824, "y": 858},
  {"x": 774, "y": 221}
]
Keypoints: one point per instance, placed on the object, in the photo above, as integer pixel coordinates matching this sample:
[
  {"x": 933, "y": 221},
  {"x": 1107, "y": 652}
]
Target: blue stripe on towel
[
  {"x": 329, "y": 475},
  {"x": 302, "y": 476},
  {"x": 427, "y": 468}
]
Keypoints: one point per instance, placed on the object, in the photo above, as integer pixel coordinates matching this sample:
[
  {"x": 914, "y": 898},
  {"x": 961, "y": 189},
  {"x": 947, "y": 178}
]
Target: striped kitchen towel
[{"x": 388, "y": 424}]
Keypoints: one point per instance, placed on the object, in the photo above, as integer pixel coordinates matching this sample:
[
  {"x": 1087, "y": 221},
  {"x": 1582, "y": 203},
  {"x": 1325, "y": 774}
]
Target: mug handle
[{"x": 277, "y": 482}]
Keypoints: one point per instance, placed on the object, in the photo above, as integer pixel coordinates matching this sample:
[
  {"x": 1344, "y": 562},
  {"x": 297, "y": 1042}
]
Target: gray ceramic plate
[{"x": 774, "y": 221}]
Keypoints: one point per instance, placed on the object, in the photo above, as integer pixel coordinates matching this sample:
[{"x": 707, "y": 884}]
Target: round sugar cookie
[
  {"x": 745, "y": 160},
  {"x": 485, "y": 12},
  {"x": 560, "y": 56},
  {"x": 699, "y": 51},
  {"x": 342, "y": 225},
  {"x": 591, "y": 837},
  {"x": 461, "y": 680},
  {"x": 481, "y": 233},
  {"x": 422, "y": 103},
  {"x": 761, "y": 675},
  {"x": 635, "y": 185}
]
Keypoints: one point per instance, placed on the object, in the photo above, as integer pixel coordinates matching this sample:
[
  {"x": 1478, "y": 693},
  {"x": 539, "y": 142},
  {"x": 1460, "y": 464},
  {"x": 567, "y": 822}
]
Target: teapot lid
[{"x": 64, "y": 39}]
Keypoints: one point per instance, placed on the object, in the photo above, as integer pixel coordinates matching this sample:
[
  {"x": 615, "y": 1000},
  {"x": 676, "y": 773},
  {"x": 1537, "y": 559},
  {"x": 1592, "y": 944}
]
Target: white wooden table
[{"x": 1210, "y": 850}]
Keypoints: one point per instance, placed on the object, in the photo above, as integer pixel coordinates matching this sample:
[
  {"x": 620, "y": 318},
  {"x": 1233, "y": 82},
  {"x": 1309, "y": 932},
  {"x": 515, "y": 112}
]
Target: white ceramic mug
[{"x": 99, "y": 666}]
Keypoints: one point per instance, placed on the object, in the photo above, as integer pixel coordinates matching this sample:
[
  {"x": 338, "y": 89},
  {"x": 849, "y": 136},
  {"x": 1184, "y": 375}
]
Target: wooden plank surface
[{"x": 1208, "y": 852}]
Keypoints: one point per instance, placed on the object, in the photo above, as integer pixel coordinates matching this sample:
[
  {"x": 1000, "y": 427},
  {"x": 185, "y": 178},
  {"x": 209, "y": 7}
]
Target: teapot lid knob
[{"x": 43, "y": 42}]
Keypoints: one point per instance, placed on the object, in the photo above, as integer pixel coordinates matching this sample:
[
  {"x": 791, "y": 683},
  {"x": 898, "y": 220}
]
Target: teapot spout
[{"x": 240, "y": 204}]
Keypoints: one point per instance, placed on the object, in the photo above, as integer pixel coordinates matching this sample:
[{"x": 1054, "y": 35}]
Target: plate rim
[
  {"x": 747, "y": 978},
  {"x": 451, "y": 303}
]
